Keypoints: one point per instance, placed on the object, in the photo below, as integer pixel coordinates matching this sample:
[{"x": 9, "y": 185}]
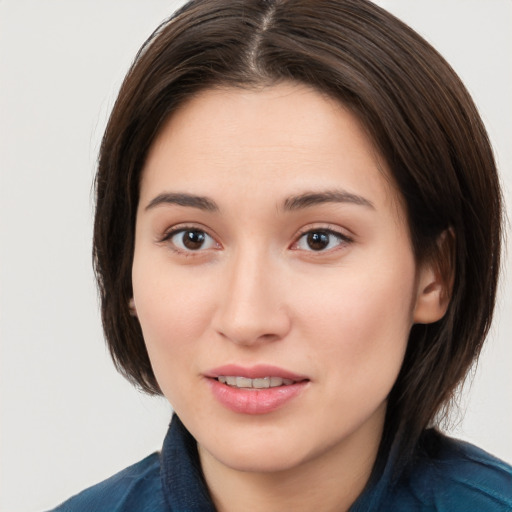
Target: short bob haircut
[{"x": 414, "y": 108}]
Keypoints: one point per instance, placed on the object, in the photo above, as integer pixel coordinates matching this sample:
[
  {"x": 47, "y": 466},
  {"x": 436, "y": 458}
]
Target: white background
[{"x": 67, "y": 419}]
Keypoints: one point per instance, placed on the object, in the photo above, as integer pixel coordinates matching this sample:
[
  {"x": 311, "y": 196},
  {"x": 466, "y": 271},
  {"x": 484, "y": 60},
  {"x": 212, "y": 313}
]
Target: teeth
[
  {"x": 243, "y": 382},
  {"x": 260, "y": 383},
  {"x": 231, "y": 381},
  {"x": 275, "y": 381}
]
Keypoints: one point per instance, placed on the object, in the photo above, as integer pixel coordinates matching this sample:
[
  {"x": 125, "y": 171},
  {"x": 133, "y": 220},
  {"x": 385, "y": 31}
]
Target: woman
[{"x": 297, "y": 242}]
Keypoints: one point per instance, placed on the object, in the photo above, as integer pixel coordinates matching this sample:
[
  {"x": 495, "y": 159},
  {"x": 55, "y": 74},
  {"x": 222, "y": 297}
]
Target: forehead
[{"x": 285, "y": 138}]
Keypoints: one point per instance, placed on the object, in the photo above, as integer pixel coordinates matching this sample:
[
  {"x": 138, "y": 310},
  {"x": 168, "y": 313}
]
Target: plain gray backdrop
[{"x": 67, "y": 419}]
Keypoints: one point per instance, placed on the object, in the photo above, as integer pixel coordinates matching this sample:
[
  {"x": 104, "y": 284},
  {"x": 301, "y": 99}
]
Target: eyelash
[
  {"x": 169, "y": 235},
  {"x": 342, "y": 239}
]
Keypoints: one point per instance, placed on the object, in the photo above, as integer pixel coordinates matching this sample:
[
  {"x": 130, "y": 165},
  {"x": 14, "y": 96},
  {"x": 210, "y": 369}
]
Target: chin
[{"x": 258, "y": 460}]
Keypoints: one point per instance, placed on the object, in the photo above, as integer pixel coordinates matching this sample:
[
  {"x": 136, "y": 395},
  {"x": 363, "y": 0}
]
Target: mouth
[
  {"x": 258, "y": 383},
  {"x": 255, "y": 390}
]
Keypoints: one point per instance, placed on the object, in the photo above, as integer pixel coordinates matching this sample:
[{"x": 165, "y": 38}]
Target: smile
[
  {"x": 259, "y": 389},
  {"x": 259, "y": 383}
]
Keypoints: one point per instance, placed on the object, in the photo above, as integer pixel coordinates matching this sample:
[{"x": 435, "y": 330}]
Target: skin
[{"x": 255, "y": 292}]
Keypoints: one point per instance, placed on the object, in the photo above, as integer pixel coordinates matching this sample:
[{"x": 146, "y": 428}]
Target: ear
[
  {"x": 435, "y": 281},
  {"x": 132, "y": 308}
]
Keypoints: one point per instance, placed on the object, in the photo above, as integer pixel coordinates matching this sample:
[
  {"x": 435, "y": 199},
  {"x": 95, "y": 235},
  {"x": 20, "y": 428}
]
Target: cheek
[
  {"x": 361, "y": 325},
  {"x": 173, "y": 310}
]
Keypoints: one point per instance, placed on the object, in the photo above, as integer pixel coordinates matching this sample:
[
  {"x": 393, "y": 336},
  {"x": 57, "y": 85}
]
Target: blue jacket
[{"x": 452, "y": 477}]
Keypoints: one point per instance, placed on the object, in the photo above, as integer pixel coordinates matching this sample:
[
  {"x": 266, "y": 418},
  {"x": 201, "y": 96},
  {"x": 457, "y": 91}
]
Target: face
[{"x": 273, "y": 276}]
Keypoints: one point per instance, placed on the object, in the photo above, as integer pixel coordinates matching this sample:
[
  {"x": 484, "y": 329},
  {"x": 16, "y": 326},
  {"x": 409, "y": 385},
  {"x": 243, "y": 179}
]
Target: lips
[
  {"x": 254, "y": 372},
  {"x": 255, "y": 390}
]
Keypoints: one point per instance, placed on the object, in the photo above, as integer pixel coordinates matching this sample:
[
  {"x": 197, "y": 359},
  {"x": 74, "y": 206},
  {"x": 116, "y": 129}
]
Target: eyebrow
[
  {"x": 183, "y": 199},
  {"x": 292, "y": 203},
  {"x": 329, "y": 196}
]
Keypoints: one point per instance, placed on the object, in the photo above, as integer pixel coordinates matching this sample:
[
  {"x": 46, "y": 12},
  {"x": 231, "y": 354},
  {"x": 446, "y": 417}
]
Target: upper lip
[{"x": 259, "y": 371}]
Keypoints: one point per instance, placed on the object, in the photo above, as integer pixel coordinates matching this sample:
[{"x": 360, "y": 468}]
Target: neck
[{"x": 330, "y": 481}]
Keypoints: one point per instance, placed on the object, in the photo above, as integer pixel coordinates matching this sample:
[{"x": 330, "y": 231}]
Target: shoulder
[
  {"x": 452, "y": 475},
  {"x": 136, "y": 488}
]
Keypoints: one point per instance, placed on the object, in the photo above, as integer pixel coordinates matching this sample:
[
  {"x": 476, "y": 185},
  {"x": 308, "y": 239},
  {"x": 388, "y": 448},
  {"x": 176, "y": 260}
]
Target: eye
[
  {"x": 191, "y": 239},
  {"x": 320, "y": 240}
]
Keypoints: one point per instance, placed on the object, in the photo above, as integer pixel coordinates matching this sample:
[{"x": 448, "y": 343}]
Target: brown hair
[{"x": 413, "y": 106}]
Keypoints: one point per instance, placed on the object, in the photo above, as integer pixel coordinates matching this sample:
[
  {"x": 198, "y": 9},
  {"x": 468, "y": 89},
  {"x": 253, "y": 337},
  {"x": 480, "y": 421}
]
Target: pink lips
[{"x": 254, "y": 401}]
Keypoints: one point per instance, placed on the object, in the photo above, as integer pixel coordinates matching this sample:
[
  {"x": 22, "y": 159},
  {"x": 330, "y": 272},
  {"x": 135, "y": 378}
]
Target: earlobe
[
  {"x": 435, "y": 282},
  {"x": 432, "y": 300},
  {"x": 131, "y": 307}
]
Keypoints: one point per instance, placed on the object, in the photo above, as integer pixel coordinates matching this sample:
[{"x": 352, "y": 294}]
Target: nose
[{"x": 252, "y": 309}]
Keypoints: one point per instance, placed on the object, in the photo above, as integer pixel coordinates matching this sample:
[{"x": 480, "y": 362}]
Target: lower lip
[{"x": 255, "y": 401}]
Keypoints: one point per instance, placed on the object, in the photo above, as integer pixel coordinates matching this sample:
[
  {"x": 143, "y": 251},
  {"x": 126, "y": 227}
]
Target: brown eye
[
  {"x": 317, "y": 240},
  {"x": 321, "y": 240},
  {"x": 191, "y": 240}
]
